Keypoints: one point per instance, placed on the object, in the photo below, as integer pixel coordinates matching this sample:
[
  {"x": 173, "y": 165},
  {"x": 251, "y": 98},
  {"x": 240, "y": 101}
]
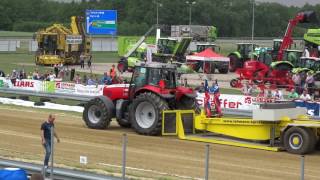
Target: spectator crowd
[
  {"x": 63, "y": 73},
  {"x": 304, "y": 89}
]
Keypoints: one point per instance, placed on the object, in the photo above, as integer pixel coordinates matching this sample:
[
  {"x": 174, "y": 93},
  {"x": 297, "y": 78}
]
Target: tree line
[{"x": 231, "y": 17}]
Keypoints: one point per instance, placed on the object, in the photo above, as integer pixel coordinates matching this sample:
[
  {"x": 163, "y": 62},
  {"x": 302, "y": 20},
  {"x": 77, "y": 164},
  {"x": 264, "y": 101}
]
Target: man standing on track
[{"x": 46, "y": 138}]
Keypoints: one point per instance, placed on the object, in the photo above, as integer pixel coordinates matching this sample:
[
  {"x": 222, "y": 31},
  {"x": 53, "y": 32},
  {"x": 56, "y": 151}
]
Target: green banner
[
  {"x": 48, "y": 86},
  {"x": 1, "y": 83}
]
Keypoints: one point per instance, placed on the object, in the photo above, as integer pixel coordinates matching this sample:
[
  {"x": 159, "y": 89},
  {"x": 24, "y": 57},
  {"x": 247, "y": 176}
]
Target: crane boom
[
  {"x": 287, "y": 39},
  {"x": 302, "y": 17}
]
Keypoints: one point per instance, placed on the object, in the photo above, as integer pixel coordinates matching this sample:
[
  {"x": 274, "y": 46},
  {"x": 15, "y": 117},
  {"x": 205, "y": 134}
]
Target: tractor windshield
[
  {"x": 167, "y": 75},
  {"x": 166, "y": 46},
  {"x": 49, "y": 44},
  {"x": 139, "y": 77},
  {"x": 152, "y": 76}
]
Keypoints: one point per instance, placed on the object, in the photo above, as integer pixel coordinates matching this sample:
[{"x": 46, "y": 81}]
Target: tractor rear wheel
[
  {"x": 146, "y": 113},
  {"x": 299, "y": 140},
  {"x": 189, "y": 103},
  {"x": 234, "y": 63},
  {"x": 97, "y": 113}
]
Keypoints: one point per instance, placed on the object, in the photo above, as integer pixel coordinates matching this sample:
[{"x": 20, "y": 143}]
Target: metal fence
[
  {"x": 23, "y": 45},
  {"x": 9, "y": 45}
]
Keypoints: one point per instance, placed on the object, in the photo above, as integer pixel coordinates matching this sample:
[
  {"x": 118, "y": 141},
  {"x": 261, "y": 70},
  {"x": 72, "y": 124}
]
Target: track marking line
[{"x": 149, "y": 170}]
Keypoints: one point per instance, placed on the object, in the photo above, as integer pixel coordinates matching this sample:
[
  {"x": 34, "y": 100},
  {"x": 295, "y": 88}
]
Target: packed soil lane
[{"x": 152, "y": 157}]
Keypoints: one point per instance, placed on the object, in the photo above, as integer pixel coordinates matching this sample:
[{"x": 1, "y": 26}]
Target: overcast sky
[{"x": 293, "y": 2}]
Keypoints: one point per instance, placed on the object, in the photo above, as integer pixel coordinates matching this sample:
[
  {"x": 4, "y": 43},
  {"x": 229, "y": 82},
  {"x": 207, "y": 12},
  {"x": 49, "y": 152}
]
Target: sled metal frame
[{"x": 233, "y": 131}]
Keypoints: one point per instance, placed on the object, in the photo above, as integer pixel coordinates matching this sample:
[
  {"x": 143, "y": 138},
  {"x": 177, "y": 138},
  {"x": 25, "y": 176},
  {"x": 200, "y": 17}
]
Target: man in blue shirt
[
  {"x": 106, "y": 80},
  {"x": 214, "y": 89},
  {"x": 46, "y": 138}
]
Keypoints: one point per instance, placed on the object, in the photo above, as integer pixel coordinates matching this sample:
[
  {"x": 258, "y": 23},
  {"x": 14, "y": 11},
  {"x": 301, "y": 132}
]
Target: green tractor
[
  {"x": 171, "y": 49},
  {"x": 312, "y": 41},
  {"x": 290, "y": 60},
  {"x": 166, "y": 49},
  {"x": 243, "y": 53}
]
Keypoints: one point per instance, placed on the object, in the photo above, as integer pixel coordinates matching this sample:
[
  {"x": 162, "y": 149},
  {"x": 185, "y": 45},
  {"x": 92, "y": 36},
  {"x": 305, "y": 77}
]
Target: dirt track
[{"x": 152, "y": 156}]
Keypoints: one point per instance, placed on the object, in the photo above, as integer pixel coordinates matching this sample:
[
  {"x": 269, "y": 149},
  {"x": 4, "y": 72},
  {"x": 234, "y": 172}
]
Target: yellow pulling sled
[{"x": 273, "y": 127}]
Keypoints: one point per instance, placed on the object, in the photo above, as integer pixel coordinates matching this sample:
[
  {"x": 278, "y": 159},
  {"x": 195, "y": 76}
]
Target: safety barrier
[{"x": 60, "y": 173}]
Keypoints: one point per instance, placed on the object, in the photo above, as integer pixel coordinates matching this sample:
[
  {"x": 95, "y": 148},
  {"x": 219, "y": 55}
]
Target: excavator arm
[{"x": 302, "y": 17}]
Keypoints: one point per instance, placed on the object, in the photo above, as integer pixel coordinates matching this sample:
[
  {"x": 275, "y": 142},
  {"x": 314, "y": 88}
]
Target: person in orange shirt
[{"x": 113, "y": 72}]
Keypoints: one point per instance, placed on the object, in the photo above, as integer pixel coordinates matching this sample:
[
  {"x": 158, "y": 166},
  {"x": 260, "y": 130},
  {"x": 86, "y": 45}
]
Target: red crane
[{"x": 302, "y": 17}]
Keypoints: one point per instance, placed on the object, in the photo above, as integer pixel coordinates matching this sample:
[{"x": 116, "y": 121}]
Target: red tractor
[{"x": 152, "y": 89}]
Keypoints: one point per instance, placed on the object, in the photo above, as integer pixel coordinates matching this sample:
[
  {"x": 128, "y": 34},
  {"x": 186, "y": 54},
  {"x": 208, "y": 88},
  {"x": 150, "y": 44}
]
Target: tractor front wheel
[
  {"x": 235, "y": 82},
  {"x": 299, "y": 140},
  {"x": 97, "y": 113},
  {"x": 146, "y": 113}
]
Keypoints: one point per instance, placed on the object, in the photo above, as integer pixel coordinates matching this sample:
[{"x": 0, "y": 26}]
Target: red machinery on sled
[{"x": 257, "y": 72}]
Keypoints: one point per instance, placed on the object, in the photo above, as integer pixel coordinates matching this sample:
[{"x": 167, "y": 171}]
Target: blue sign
[
  {"x": 312, "y": 107},
  {"x": 101, "y": 22}
]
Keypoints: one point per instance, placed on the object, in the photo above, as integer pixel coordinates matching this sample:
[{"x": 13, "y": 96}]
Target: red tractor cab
[{"x": 152, "y": 89}]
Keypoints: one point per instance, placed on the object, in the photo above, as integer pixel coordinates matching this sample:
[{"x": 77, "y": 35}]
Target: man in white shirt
[
  {"x": 277, "y": 94},
  {"x": 305, "y": 96}
]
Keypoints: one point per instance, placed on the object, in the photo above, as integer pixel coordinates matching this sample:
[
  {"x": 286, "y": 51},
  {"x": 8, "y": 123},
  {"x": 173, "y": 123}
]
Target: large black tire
[
  {"x": 234, "y": 82},
  {"x": 146, "y": 113},
  {"x": 234, "y": 63},
  {"x": 124, "y": 120},
  {"x": 98, "y": 112},
  {"x": 283, "y": 67},
  {"x": 189, "y": 103},
  {"x": 299, "y": 140}
]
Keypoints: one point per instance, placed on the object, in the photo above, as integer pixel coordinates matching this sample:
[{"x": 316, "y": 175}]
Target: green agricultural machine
[
  {"x": 312, "y": 41},
  {"x": 242, "y": 54},
  {"x": 162, "y": 50}
]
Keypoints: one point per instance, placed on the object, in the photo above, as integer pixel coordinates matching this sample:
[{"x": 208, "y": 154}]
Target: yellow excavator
[{"x": 58, "y": 44}]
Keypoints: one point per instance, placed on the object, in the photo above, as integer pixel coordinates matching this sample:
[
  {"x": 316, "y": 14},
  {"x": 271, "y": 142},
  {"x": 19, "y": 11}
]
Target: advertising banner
[
  {"x": 89, "y": 90},
  {"x": 235, "y": 101},
  {"x": 312, "y": 107},
  {"x": 64, "y": 87}
]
